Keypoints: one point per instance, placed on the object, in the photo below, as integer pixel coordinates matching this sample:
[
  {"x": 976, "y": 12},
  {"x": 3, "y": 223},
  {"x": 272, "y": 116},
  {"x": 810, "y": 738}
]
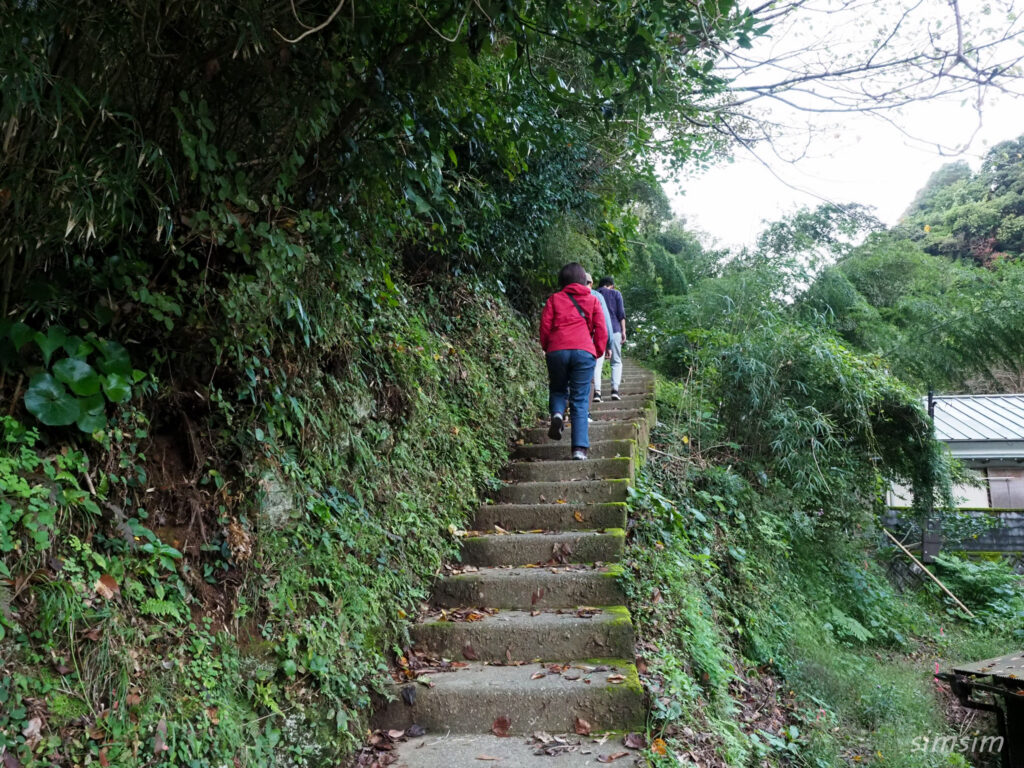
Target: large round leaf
[
  {"x": 94, "y": 414},
  {"x": 117, "y": 387},
  {"x": 115, "y": 358},
  {"x": 51, "y": 341},
  {"x": 48, "y": 400},
  {"x": 78, "y": 375}
]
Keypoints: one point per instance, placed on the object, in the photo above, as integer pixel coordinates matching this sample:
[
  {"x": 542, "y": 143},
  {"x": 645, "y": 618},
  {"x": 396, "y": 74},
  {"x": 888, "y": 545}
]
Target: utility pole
[{"x": 931, "y": 527}]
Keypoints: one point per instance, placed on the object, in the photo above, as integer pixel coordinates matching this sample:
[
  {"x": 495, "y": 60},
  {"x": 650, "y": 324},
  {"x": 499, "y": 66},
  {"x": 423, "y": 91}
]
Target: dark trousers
[{"x": 571, "y": 370}]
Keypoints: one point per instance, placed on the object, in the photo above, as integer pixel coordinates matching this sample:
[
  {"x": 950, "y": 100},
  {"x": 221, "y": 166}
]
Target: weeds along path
[{"x": 534, "y": 619}]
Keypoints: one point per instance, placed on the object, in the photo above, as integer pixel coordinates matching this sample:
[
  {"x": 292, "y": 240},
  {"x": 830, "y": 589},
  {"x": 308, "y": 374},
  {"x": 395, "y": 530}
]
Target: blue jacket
[{"x": 604, "y": 307}]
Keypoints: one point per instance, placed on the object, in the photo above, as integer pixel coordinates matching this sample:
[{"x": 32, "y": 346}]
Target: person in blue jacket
[{"x": 617, "y": 337}]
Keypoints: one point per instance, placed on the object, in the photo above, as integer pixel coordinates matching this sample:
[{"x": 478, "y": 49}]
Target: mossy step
[
  {"x": 567, "y": 491},
  {"x": 497, "y": 549},
  {"x": 594, "y": 469},
  {"x": 526, "y": 698},
  {"x": 530, "y": 635},
  {"x": 550, "y": 517},
  {"x": 532, "y": 588},
  {"x": 558, "y": 451}
]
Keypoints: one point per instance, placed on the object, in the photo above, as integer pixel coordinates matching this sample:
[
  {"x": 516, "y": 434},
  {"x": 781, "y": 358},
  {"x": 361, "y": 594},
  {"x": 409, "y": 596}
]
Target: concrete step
[
  {"x": 497, "y": 549},
  {"x": 522, "y": 636},
  {"x": 594, "y": 469},
  {"x": 598, "y": 431},
  {"x": 550, "y": 517},
  {"x": 558, "y": 451},
  {"x": 570, "y": 492},
  {"x": 473, "y": 751},
  {"x": 532, "y": 588},
  {"x": 471, "y": 699}
]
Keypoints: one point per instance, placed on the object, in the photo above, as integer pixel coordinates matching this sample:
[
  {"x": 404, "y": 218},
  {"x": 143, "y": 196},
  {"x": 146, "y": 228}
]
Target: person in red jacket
[{"x": 573, "y": 335}]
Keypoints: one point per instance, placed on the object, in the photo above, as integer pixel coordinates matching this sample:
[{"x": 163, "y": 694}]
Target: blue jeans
[{"x": 571, "y": 369}]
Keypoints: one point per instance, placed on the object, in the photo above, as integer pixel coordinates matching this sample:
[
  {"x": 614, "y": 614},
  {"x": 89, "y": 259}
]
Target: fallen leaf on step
[
  {"x": 501, "y": 726},
  {"x": 582, "y": 727},
  {"x": 611, "y": 758},
  {"x": 415, "y": 731},
  {"x": 635, "y": 741},
  {"x": 537, "y": 675},
  {"x": 578, "y": 515},
  {"x": 488, "y": 757},
  {"x": 616, "y": 679},
  {"x": 658, "y": 747},
  {"x": 409, "y": 695},
  {"x": 499, "y": 529},
  {"x": 469, "y": 653},
  {"x": 543, "y": 737}
]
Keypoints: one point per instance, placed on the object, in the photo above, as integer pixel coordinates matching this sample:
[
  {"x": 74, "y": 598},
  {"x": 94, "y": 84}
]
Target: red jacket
[{"x": 562, "y": 327}]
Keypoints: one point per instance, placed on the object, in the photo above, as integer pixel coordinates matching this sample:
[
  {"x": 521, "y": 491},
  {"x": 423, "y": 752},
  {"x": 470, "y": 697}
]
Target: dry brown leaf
[
  {"x": 581, "y": 726},
  {"x": 612, "y": 757},
  {"x": 106, "y": 587},
  {"x": 578, "y": 515},
  {"x": 501, "y": 726},
  {"x": 635, "y": 741},
  {"x": 160, "y": 740},
  {"x": 658, "y": 747}
]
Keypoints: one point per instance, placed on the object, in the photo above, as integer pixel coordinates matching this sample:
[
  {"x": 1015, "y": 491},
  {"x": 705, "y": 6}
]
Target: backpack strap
[{"x": 578, "y": 308}]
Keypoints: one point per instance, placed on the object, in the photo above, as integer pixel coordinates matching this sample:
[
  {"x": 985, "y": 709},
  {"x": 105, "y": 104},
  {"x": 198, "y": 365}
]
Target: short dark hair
[
  {"x": 606, "y": 281},
  {"x": 573, "y": 272}
]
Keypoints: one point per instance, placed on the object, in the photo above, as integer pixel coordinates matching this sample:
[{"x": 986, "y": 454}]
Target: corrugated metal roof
[{"x": 979, "y": 417}]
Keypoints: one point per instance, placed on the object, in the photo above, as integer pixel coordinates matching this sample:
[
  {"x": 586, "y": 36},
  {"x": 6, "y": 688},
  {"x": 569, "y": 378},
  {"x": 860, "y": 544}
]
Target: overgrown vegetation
[{"x": 758, "y": 578}]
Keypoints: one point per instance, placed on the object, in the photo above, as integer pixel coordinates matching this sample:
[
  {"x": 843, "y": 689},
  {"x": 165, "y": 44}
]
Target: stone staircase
[{"x": 530, "y": 631}]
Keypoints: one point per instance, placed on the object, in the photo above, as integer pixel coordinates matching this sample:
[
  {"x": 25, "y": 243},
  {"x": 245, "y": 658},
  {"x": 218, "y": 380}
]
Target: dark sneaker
[
  {"x": 579, "y": 454},
  {"x": 597, "y": 396},
  {"x": 615, "y": 395},
  {"x": 557, "y": 425}
]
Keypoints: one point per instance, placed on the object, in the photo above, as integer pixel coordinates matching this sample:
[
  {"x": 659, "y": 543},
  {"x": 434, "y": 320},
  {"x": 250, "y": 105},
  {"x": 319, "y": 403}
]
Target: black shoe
[
  {"x": 597, "y": 396},
  {"x": 615, "y": 395},
  {"x": 557, "y": 425}
]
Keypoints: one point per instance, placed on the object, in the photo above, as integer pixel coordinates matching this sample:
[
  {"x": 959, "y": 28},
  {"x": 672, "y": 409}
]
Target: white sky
[{"x": 853, "y": 158}]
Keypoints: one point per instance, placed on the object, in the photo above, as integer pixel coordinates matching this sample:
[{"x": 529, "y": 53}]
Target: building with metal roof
[
  {"x": 986, "y": 433},
  {"x": 981, "y": 427}
]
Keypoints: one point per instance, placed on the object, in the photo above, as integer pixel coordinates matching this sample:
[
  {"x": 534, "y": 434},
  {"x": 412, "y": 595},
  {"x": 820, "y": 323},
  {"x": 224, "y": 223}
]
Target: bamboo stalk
[{"x": 931, "y": 575}]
